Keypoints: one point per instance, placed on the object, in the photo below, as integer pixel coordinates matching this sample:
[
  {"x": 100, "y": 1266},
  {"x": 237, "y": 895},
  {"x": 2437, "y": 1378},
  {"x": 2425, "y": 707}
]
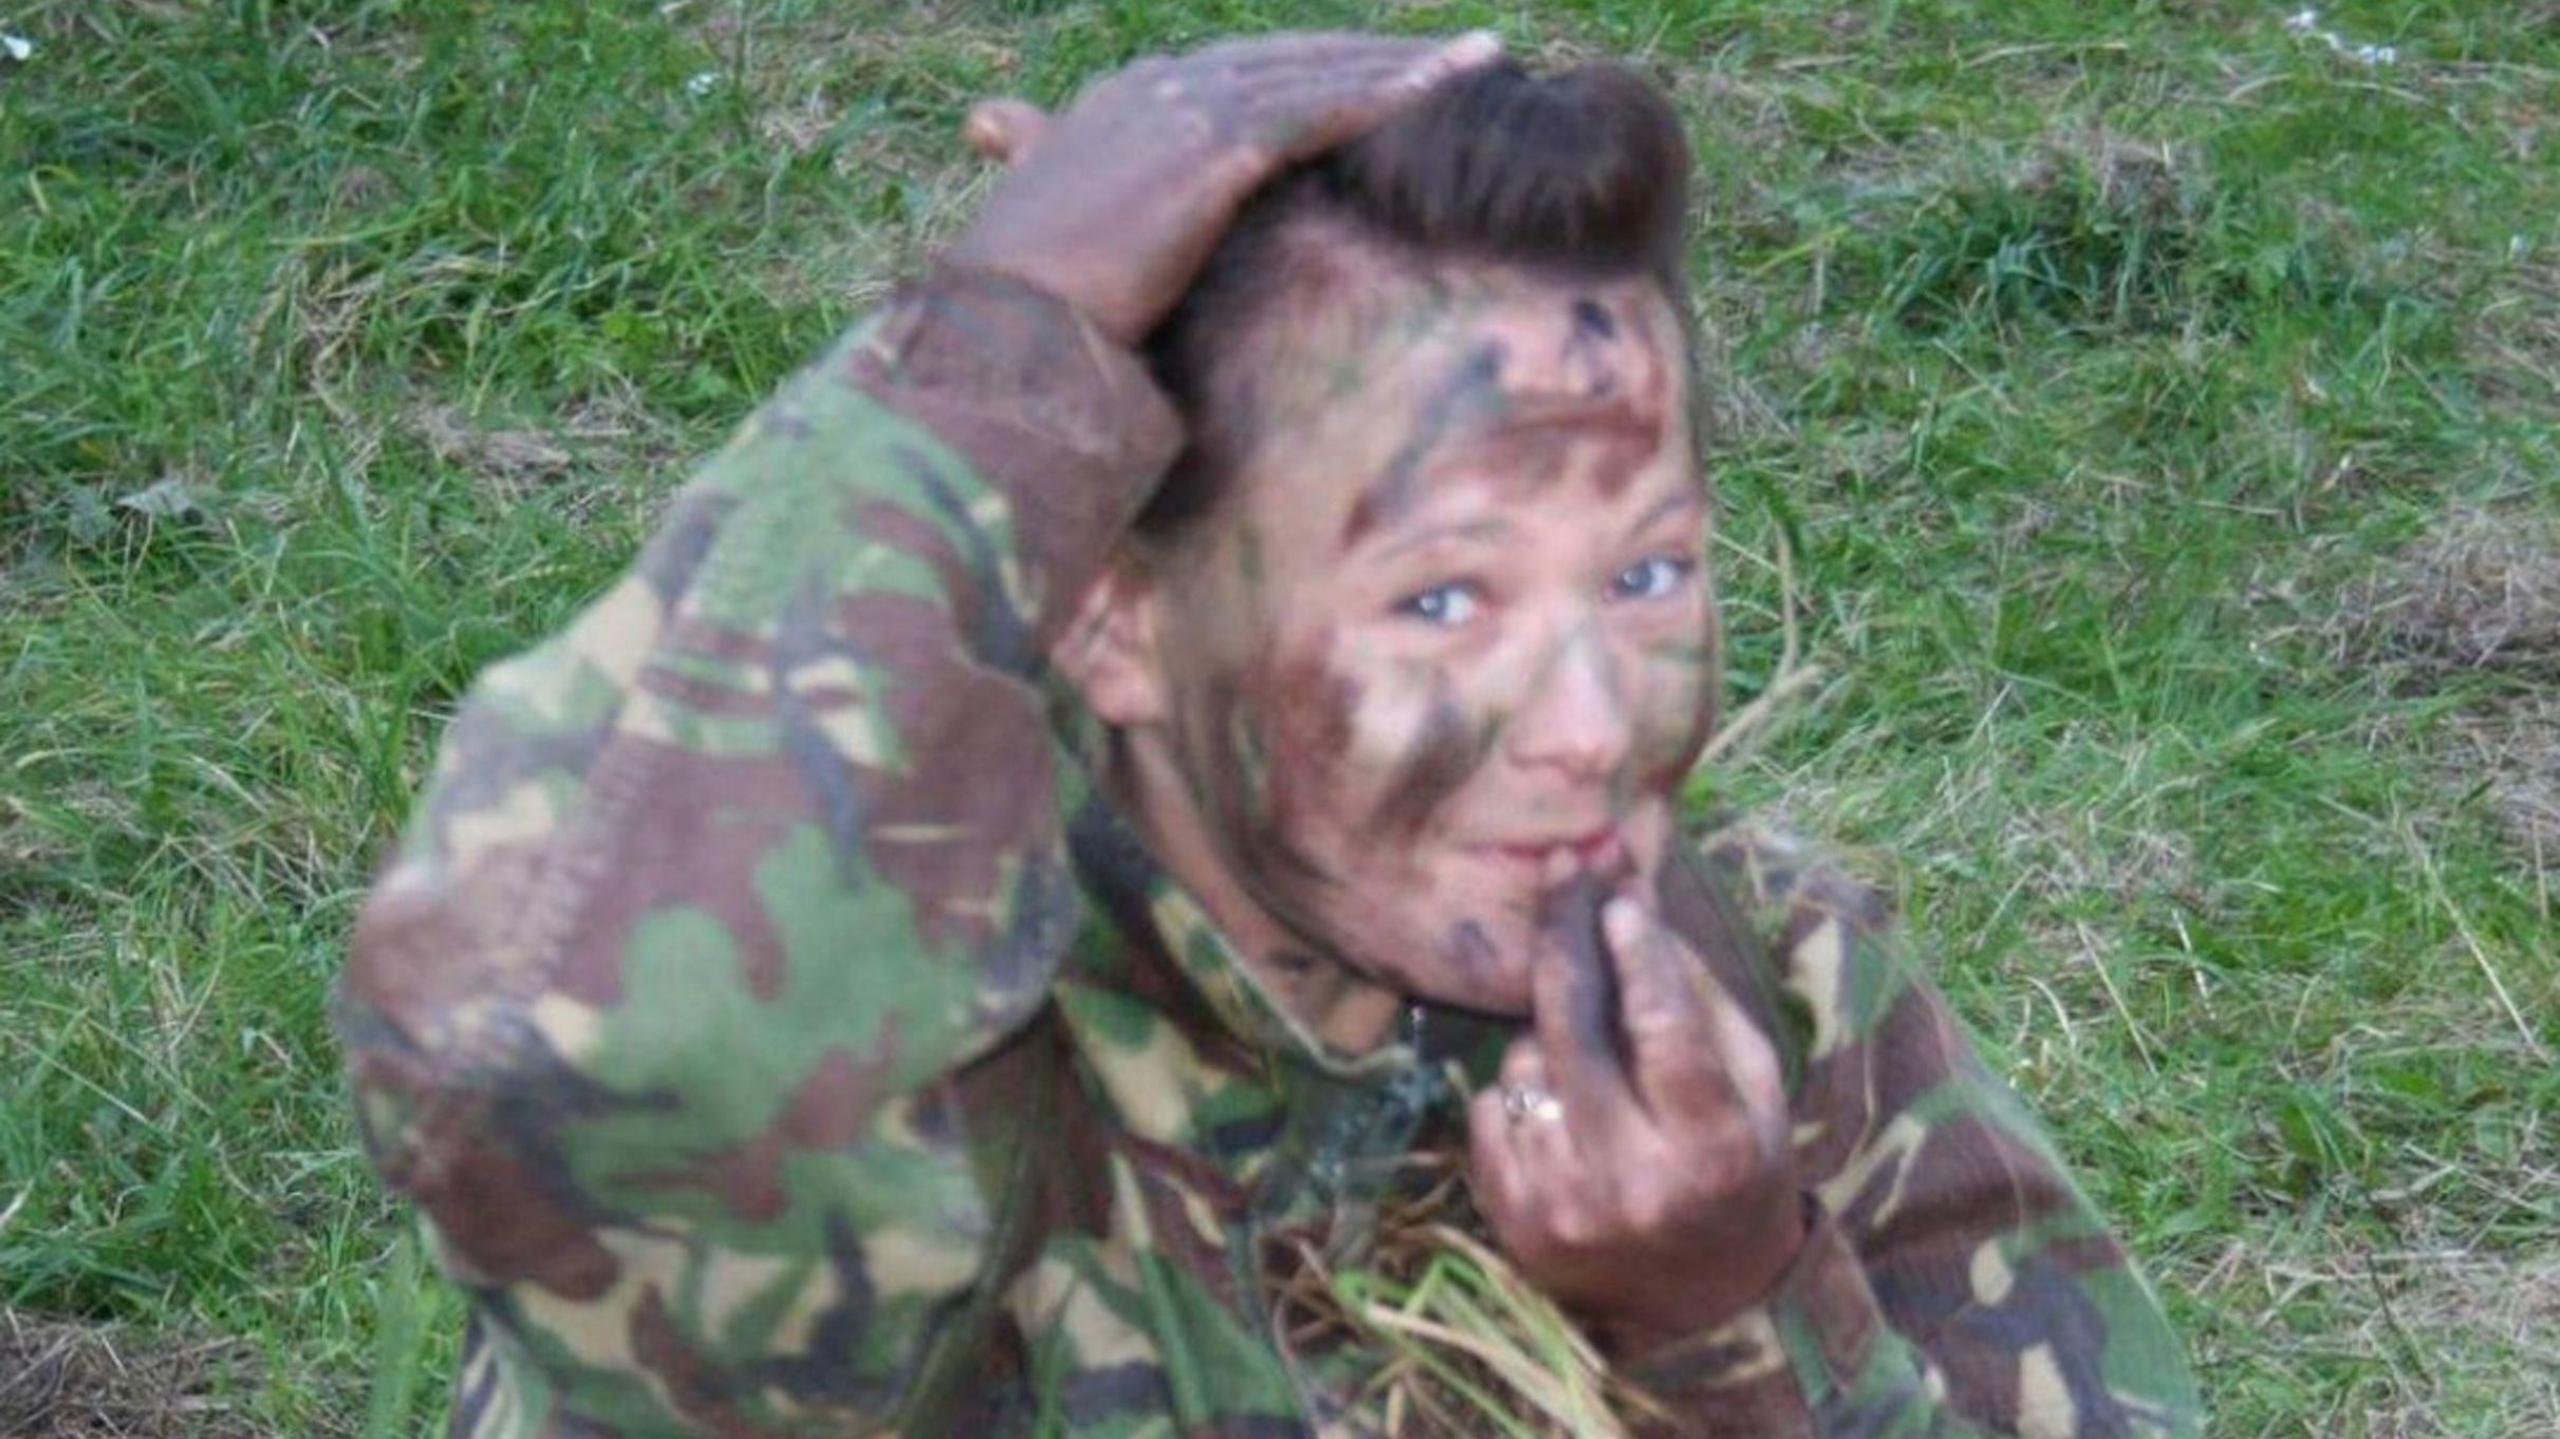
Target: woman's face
[{"x": 1450, "y": 638}]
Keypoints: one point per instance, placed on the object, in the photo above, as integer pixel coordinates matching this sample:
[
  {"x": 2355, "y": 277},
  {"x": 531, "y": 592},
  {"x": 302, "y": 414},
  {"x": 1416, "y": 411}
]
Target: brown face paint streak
[
  {"x": 1469, "y": 397},
  {"x": 1236, "y": 791},
  {"x": 1653, "y": 397},
  {"x": 1608, "y": 441},
  {"x": 1618, "y": 456},
  {"x": 1442, "y": 759},
  {"x": 1284, "y": 728},
  {"x": 1637, "y": 420}
]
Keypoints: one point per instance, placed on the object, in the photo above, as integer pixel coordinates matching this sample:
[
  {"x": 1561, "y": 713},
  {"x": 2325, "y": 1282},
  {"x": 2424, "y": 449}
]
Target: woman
[{"x": 1037, "y": 841}]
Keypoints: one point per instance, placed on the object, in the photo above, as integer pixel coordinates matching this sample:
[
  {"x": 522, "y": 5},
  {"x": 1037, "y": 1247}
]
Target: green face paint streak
[
  {"x": 1470, "y": 396},
  {"x": 1253, "y": 764},
  {"x": 1249, "y": 558},
  {"x": 1344, "y": 377},
  {"x": 1441, "y": 761},
  {"x": 1687, "y": 655}
]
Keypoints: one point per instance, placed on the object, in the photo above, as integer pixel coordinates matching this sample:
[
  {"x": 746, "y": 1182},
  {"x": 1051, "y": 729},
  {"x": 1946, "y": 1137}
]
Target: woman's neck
[{"x": 1346, "y": 1009}]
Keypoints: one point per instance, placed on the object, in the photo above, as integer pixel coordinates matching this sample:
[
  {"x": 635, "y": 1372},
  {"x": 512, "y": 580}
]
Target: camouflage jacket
[{"x": 780, "y": 1038}]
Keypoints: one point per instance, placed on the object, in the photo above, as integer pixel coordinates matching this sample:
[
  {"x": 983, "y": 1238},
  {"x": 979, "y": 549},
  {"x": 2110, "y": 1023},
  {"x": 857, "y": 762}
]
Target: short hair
[{"x": 1581, "y": 174}]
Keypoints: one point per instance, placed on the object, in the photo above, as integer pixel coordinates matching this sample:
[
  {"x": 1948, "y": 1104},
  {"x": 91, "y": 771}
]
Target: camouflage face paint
[
  {"x": 1588, "y": 365},
  {"x": 1249, "y": 559},
  {"x": 1472, "y": 950},
  {"x": 1471, "y": 395},
  {"x": 1667, "y": 752},
  {"x": 1443, "y": 757},
  {"x": 1355, "y": 772},
  {"x": 1237, "y": 790}
]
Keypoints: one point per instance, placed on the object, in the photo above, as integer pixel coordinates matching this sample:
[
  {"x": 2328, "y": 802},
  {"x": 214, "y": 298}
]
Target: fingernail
[
  {"x": 1624, "y": 920},
  {"x": 1473, "y": 48}
]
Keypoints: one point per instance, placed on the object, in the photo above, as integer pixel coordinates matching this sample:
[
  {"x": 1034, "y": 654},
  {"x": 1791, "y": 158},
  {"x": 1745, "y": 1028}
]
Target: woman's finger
[
  {"x": 1004, "y": 130},
  {"x": 1701, "y": 1060},
  {"x": 1537, "y": 1125},
  {"x": 1571, "y": 1007},
  {"x": 1299, "y": 113},
  {"x": 1310, "y": 49},
  {"x": 1674, "y": 1048},
  {"x": 1524, "y": 1066},
  {"x": 1493, "y": 1162}
]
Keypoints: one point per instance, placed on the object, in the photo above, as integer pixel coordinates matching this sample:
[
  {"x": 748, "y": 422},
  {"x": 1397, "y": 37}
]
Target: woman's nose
[{"x": 1574, "y": 717}]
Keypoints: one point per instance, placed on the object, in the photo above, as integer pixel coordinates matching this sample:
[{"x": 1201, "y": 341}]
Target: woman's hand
[
  {"x": 1113, "y": 204},
  {"x": 1634, "y": 1158}
]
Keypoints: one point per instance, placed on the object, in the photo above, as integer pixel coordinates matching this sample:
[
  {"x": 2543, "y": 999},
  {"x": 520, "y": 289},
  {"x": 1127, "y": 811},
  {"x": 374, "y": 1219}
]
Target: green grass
[{"x": 2097, "y": 365}]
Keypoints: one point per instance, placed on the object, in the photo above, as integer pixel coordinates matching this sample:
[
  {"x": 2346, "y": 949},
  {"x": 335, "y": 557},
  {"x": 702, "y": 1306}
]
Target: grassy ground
[{"x": 2155, "y": 400}]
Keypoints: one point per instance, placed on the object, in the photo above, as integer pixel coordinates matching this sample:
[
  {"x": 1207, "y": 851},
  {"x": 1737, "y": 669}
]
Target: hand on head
[{"x": 1113, "y": 203}]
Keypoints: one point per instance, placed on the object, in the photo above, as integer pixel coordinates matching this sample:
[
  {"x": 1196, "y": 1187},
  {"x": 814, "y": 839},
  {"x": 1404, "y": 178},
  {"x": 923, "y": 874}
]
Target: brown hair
[{"x": 1582, "y": 174}]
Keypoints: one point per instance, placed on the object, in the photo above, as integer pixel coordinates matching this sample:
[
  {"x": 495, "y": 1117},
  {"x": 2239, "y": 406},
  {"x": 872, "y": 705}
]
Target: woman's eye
[
  {"x": 1451, "y": 604},
  {"x": 1651, "y": 579}
]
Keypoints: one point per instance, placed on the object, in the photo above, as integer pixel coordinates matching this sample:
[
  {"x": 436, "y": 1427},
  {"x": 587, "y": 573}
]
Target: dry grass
[
  {"x": 2513, "y": 748},
  {"x": 2139, "y": 179},
  {"x": 2439, "y": 1311},
  {"x": 2478, "y": 598},
  {"x": 2479, "y": 592},
  {"x": 1467, "y": 1346},
  {"x": 74, "y": 1381},
  {"x": 2516, "y": 342}
]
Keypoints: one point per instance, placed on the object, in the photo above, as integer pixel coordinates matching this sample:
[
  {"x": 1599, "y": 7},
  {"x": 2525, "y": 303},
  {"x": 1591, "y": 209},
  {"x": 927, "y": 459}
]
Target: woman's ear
[{"x": 1111, "y": 649}]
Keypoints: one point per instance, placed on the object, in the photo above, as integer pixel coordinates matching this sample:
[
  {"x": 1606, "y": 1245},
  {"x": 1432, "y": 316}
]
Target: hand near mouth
[{"x": 1633, "y": 1160}]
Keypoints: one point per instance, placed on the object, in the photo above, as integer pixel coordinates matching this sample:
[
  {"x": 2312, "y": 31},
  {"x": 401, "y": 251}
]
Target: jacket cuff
[
  {"x": 1812, "y": 1341},
  {"x": 1063, "y": 421}
]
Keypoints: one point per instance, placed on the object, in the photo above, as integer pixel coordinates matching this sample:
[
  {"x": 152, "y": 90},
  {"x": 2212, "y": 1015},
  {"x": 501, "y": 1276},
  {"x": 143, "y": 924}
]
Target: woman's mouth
[{"x": 1596, "y": 850}]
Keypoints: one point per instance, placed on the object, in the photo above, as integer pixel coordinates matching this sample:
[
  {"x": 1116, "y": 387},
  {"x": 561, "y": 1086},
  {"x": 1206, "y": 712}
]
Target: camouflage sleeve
[
  {"x": 660, "y": 1011},
  {"x": 1953, "y": 1281}
]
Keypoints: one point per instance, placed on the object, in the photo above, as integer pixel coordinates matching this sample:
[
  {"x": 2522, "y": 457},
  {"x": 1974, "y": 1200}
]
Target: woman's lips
[{"x": 1592, "y": 850}]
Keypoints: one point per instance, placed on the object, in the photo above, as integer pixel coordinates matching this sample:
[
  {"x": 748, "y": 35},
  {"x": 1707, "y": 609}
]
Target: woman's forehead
[{"x": 1528, "y": 382}]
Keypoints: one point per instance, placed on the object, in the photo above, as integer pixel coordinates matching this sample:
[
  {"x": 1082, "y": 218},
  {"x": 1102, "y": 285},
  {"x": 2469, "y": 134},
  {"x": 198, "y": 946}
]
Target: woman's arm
[
  {"x": 655, "y": 1014},
  {"x": 661, "y": 1012},
  {"x": 1953, "y": 1280}
]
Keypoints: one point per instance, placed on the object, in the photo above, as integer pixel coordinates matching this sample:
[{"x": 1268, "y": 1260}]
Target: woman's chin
[{"x": 1479, "y": 966}]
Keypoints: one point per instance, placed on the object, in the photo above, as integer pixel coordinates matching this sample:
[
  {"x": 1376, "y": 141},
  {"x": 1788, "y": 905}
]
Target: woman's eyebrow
[
  {"x": 1669, "y": 505},
  {"x": 1484, "y": 529}
]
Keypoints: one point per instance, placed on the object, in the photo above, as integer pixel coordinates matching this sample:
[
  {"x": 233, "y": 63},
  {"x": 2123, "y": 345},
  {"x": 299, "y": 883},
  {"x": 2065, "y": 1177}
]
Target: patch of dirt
[
  {"x": 63, "y": 1380},
  {"x": 2514, "y": 748},
  {"x": 2152, "y": 181},
  {"x": 610, "y": 431},
  {"x": 507, "y": 456},
  {"x": 2479, "y": 592},
  {"x": 2446, "y": 1320},
  {"x": 2477, "y": 597},
  {"x": 2085, "y": 853},
  {"x": 2514, "y": 340}
]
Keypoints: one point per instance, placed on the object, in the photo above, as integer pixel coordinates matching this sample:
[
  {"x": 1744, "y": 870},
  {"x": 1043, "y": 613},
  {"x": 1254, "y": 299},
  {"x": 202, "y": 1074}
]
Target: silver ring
[{"x": 1527, "y": 1101}]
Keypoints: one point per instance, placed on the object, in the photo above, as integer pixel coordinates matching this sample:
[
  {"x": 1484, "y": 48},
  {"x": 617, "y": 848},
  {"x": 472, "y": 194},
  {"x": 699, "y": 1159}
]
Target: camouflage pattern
[{"x": 779, "y": 1038}]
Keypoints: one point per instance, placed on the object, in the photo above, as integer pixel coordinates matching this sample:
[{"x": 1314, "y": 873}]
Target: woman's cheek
[
  {"x": 1335, "y": 723},
  {"x": 1675, "y": 712}
]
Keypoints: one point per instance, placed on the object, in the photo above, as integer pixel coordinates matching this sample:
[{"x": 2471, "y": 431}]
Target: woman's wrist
[{"x": 1708, "y": 1301}]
